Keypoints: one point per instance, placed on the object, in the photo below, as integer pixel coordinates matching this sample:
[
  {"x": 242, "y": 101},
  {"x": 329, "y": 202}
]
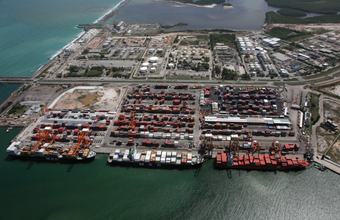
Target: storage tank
[
  {"x": 143, "y": 69},
  {"x": 152, "y": 70},
  {"x": 332, "y": 40},
  {"x": 331, "y": 34},
  {"x": 323, "y": 37},
  {"x": 145, "y": 64},
  {"x": 153, "y": 59}
]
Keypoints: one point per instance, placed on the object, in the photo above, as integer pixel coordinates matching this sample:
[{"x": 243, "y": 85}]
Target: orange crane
[
  {"x": 132, "y": 118},
  {"x": 82, "y": 142},
  {"x": 43, "y": 135},
  {"x": 275, "y": 148},
  {"x": 256, "y": 147},
  {"x": 235, "y": 147}
]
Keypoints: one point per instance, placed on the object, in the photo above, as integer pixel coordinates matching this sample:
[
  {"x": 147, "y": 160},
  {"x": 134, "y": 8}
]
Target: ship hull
[
  {"x": 262, "y": 162},
  {"x": 263, "y": 168},
  {"x": 52, "y": 159},
  {"x": 154, "y": 165}
]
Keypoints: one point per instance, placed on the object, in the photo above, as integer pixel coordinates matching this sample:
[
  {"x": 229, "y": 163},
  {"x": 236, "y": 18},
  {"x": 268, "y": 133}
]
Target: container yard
[
  {"x": 197, "y": 119},
  {"x": 158, "y": 116},
  {"x": 58, "y": 135},
  {"x": 247, "y": 118}
]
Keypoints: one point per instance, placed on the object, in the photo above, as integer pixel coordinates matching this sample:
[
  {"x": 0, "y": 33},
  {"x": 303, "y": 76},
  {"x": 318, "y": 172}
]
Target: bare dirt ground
[
  {"x": 333, "y": 89},
  {"x": 326, "y": 138},
  {"x": 40, "y": 93},
  {"x": 95, "y": 99},
  {"x": 309, "y": 27}
]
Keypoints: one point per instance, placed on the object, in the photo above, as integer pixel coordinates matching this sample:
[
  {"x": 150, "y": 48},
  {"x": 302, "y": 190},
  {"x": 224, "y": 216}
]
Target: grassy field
[
  {"x": 174, "y": 25},
  {"x": 315, "y": 6},
  {"x": 226, "y": 39},
  {"x": 290, "y": 79},
  {"x": 273, "y": 17},
  {"x": 17, "y": 110},
  {"x": 288, "y": 34},
  {"x": 314, "y": 109},
  {"x": 323, "y": 73},
  {"x": 199, "y": 38}
]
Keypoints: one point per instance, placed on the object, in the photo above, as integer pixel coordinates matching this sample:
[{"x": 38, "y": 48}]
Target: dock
[{"x": 328, "y": 164}]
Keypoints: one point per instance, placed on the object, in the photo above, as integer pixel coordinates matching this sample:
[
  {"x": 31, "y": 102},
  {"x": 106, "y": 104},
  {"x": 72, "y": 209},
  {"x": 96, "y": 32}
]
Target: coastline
[
  {"x": 101, "y": 20},
  {"x": 181, "y": 3}
]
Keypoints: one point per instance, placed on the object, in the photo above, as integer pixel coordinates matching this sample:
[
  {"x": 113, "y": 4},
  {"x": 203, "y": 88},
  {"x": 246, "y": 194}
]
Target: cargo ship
[
  {"x": 156, "y": 159},
  {"x": 261, "y": 162},
  {"x": 50, "y": 152}
]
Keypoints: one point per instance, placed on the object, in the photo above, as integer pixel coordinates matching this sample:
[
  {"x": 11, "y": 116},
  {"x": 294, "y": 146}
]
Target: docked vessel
[
  {"x": 9, "y": 129},
  {"x": 50, "y": 152},
  {"x": 159, "y": 158},
  {"x": 261, "y": 162}
]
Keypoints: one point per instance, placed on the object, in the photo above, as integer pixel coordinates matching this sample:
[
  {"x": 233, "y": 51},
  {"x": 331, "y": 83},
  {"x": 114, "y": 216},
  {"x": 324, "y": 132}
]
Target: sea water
[
  {"x": 47, "y": 191},
  {"x": 31, "y": 31}
]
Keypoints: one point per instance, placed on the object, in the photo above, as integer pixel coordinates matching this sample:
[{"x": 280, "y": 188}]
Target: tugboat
[{"x": 9, "y": 129}]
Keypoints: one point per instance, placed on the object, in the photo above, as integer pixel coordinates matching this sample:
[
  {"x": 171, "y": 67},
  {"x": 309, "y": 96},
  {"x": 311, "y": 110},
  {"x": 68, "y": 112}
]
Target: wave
[
  {"x": 67, "y": 45},
  {"x": 83, "y": 32},
  {"x": 110, "y": 11}
]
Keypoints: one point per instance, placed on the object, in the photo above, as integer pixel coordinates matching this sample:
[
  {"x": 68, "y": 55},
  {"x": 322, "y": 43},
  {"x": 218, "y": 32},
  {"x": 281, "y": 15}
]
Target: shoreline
[
  {"x": 181, "y": 3},
  {"x": 101, "y": 20}
]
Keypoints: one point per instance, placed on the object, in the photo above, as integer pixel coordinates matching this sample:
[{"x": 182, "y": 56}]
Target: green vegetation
[
  {"x": 176, "y": 40},
  {"x": 291, "y": 79},
  {"x": 314, "y": 109},
  {"x": 17, "y": 110},
  {"x": 86, "y": 51},
  {"x": 323, "y": 73},
  {"x": 287, "y": 34},
  {"x": 315, "y": 6},
  {"x": 81, "y": 97},
  {"x": 272, "y": 17},
  {"x": 291, "y": 12},
  {"x": 186, "y": 42},
  {"x": 201, "y": 2},
  {"x": 226, "y": 39},
  {"x": 43, "y": 73},
  {"x": 174, "y": 25},
  {"x": 228, "y": 74},
  {"x": 93, "y": 72}
]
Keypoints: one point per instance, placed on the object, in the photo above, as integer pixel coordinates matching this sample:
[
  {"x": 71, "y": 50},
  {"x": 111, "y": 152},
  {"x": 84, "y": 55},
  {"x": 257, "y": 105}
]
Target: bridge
[{"x": 20, "y": 80}]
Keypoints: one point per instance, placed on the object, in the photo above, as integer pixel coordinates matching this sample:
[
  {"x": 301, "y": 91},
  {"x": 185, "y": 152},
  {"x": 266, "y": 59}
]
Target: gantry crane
[
  {"x": 256, "y": 147},
  {"x": 82, "y": 142},
  {"x": 234, "y": 146},
  {"x": 43, "y": 137},
  {"x": 275, "y": 149},
  {"x": 132, "y": 118},
  {"x": 207, "y": 145}
]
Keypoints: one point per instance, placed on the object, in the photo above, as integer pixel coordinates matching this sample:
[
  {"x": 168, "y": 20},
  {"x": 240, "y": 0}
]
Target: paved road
[{"x": 321, "y": 113}]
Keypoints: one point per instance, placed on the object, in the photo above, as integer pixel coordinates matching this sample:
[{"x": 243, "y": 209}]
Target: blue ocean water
[{"x": 31, "y": 31}]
